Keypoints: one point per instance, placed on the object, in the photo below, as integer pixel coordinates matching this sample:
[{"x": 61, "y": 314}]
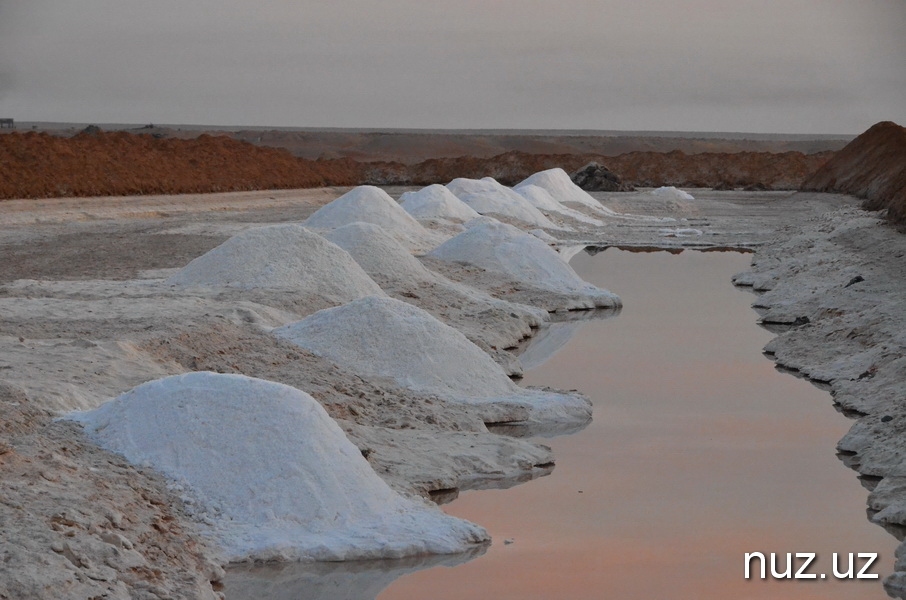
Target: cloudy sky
[{"x": 794, "y": 66}]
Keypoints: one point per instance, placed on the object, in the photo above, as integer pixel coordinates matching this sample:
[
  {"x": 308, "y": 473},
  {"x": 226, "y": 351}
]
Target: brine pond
[{"x": 700, "y": 451}]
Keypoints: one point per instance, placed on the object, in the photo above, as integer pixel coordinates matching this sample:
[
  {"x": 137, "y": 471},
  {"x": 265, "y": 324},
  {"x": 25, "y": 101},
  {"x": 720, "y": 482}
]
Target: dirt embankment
[
  {"x": 643, "y": 169},
  {"x": 872, "y": 166},
  {"x": 98, "y": 163},
  {"x": 38, "y": 165}
]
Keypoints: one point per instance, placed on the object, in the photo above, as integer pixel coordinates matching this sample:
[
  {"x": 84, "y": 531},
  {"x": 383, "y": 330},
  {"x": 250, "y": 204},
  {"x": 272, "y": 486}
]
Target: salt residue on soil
[
  {"x": 371, "y": 204},
  {"x": 486, "y": 196},
  {"x": 280, "y": 257},
  {"x": 522, "y": 257},
  {"x": 383, "y": 337},
  {"x": 307, "y": 494},
  {"x": 436, "y": 202}
]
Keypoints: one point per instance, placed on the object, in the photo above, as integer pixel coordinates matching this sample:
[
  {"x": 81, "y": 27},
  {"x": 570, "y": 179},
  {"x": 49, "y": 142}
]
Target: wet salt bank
[{"x": 700, "y": 451}]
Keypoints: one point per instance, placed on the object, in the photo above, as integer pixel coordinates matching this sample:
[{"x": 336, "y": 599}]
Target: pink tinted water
[{"x": 700, "y": 451}]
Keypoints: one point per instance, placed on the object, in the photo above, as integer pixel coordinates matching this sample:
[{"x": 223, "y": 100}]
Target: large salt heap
[
  {"x": 522, "y": 257},
  {"x": 270, "y": 475},
  {"x": 383, "y": 337},
  {"x": 280, "y": 257},
  {"x": 436, "y": 202},
  {"x": 370, "y": 204},
  {"x": 489, "y": 196}
]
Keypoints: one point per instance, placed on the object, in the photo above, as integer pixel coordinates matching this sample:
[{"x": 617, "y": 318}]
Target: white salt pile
[
  {"x": 541, "y": 199},
  {"x": 383, "y": 337},
  {"x": 378, "y": 253},
  {"x": 280, "y": 257},
  {"x": 270, "y": 474},
  {"x": 370, "y": 204},
  {"x": 562, "y": 189},
  {"x": 505, "y": 249},
  {"x": 488, "y": 196},
  {"x": 436, "y": 202},
  {"x": 672, "y": 193}
]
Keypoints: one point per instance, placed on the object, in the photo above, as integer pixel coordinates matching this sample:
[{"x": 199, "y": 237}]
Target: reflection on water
[
  {"x": 551, "y": 338},
  {"x": 355, "y": 580},
  {"x": 699, "y": 452}
]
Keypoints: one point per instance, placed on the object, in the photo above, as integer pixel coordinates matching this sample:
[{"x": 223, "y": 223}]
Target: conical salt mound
[
  {"x": 371, "y": 204},
  {"x": 672, "y": 193},
  {"x": 489, "y": 196},
  {"x": 561, "y": 187},
  {"x": 269, "y": 472},
  {"x": 541, "y": 199},
  {"x": 280, "y": 257},
  {"x": 436, "y": 202},
  {"x": 380, "y": 254},
  {"x": 502, "y": 248},
  {"x": 383, "y": 337}
]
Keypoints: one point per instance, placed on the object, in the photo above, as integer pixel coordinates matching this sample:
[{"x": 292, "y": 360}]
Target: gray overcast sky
[{"x": 809, "y": 66}]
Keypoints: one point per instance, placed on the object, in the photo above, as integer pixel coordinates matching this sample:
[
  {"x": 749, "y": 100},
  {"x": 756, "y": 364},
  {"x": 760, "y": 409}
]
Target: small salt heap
[
  {"x": 524, "y": 258},
  {"x": 383, "y": 337},
  {"x": 269, "y": 475},
  {"x": 436, "y": 202},
  {"x": 672, "y": 193},
  {"x": 541, "y": 199},
  {"x": 488, "y": 196},
  {"x": 562, "y": 189},
  {"x": 370, "y": 204},
  {"x": 280, "y": 257}
]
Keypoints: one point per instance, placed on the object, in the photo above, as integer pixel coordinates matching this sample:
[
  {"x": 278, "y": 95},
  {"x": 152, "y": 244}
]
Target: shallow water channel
[{"x": 700, "y": 451}]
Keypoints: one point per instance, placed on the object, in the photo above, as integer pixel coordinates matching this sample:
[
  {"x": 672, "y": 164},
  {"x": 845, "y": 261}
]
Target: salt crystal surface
[
  {"x": 436, "y": 202},
  {"x": 523, "y": 257},
  {"x": 371, "y": 204},
  {"x": 271, "y": 474},
  {"x": 280, "y": 257},
  {"x": 672, "y": 193},
  {"x": 489, "y": 196},
  {"x": 384, "y": 337}
]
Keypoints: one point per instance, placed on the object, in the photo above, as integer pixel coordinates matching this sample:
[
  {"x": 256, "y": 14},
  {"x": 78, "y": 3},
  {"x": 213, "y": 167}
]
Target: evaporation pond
[{"x": 700, "y": 451}]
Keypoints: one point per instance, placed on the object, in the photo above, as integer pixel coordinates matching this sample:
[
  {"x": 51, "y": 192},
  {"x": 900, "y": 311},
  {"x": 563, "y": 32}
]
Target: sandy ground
[{"x": 85, "y": 316}]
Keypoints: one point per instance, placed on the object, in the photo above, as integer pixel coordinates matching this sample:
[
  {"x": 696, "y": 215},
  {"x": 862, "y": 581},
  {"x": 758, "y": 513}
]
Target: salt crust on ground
[
  {"x": 280, "y": 257},
  {"x": 837, "y": 282},
  {"x": 384, "y": 337},
  {"x": 491, "y": 323},
  {"x": 523, "y": 257},
  {"x": 308, "y": 494},
  {"x": 436, "y": 202},
  {"x": 487, "y": 195},
  {"x": 371, "y": 204}
]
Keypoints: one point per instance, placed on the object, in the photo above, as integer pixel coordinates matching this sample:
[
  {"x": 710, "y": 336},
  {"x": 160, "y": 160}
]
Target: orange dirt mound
[
  {"x": 38, "y": 165},
  {"x": 98, "y": 163},
  {"x": 872, "y": 166}
]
